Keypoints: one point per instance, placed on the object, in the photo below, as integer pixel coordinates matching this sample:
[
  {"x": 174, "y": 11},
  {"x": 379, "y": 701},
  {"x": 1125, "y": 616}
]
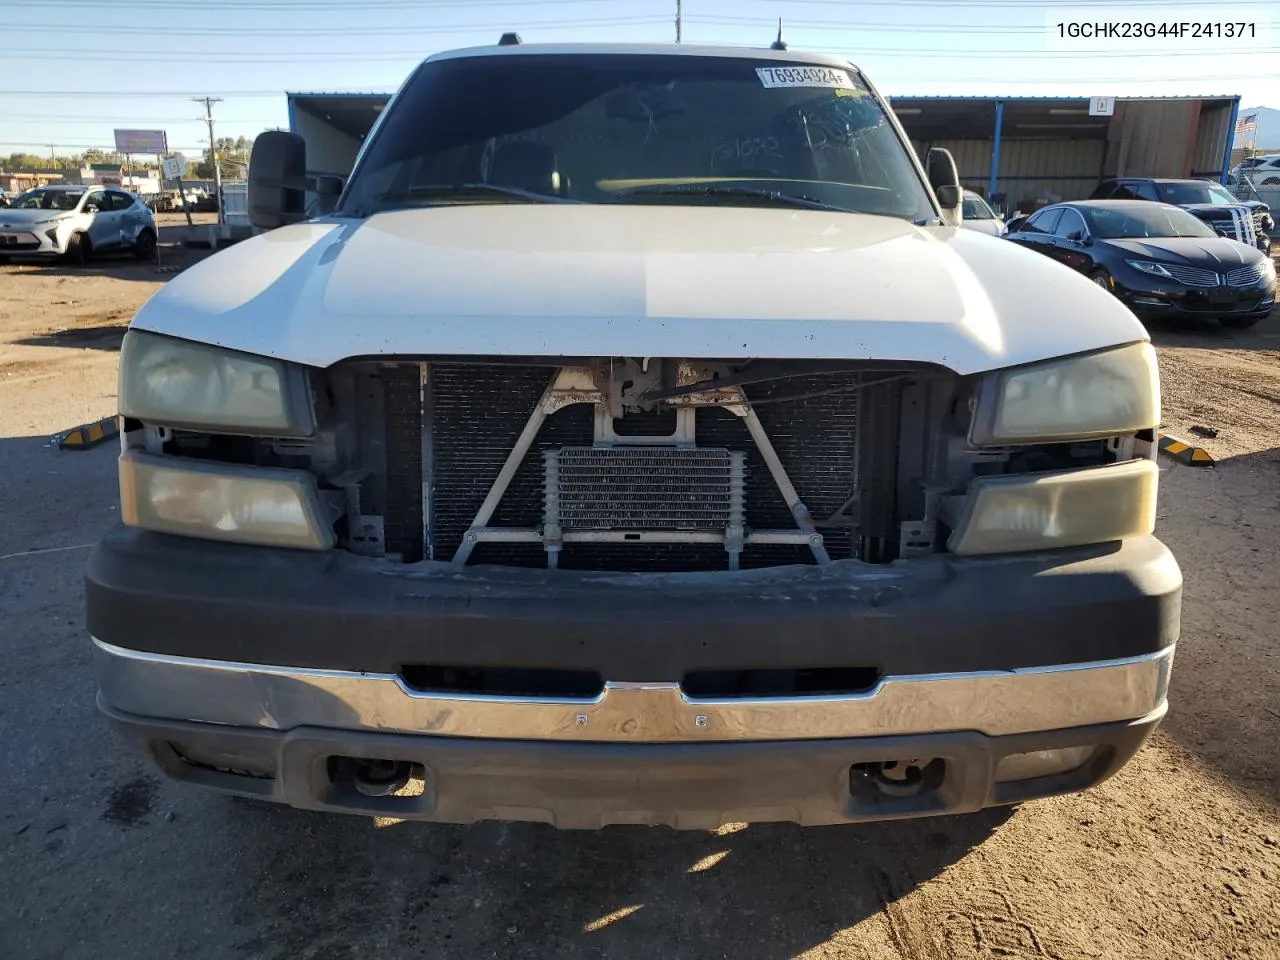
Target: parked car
[
  {"x": 1157, "y": 258},
  {"x": 75, "y": 222},
  {"x": 571, "y": 471},
  {"x": 978, "y": 216},
  {"x": 1261, "y": 171},
  {"x": 1246, "y": 221}
]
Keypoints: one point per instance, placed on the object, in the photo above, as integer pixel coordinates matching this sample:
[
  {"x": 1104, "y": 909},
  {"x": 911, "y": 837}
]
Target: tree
[
  {"x": 233, "y": 154},
  {"x": 24, "y": 161}
]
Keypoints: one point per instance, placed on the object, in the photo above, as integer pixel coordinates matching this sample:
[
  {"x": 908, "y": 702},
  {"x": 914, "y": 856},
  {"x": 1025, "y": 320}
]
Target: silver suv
[{"x": 74, "y": 222}]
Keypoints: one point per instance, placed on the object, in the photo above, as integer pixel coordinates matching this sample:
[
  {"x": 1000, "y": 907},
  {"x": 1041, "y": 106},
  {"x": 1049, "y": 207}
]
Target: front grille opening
[
  {"x": 836, "y": 433},
  {"x": 810, "y": 681},
  {"x": 503, "y": 681},
  {"x": 646, "y": 423}
]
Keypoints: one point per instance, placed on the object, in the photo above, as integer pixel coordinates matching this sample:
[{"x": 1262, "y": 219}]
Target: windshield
[
  {"x": 1141, "y": 221},
  {"x": 976, "y": 209},
  {"x": 1195, "y": 193},
  {"x": 49, "y": 200},
  {"x": 654, "y": 129}
]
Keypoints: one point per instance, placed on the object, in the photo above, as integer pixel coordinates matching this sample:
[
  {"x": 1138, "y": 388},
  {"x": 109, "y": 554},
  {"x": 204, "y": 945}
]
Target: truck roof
[{"x": 669, "y": 49}]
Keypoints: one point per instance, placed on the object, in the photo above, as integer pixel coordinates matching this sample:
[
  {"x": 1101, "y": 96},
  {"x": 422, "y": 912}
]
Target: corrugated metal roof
[
  {"x": 336, "y": 93},
  {"x": 1014, "y": 98}
]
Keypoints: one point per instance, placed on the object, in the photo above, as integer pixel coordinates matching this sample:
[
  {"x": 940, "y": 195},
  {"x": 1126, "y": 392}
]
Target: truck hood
[{"x": 637, "y": 281}]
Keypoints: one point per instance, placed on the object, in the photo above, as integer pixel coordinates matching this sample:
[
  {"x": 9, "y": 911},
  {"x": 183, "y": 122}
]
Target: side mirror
[
  {"x": 328, "y": 190},
  {"x": 941, "y": 167},
  {"x": 277, "y": 180}
]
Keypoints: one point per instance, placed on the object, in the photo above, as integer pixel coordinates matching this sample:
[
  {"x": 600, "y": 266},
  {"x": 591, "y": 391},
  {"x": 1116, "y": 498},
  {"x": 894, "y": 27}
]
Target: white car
[
  {"x": 75, "y": 222},
  {"x": 978, "y": 216},
  {"x": 648, "y": 447},
  {"x": 1261, "y": 171}
]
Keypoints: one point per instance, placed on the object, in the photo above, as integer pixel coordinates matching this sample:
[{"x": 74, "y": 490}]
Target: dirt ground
[{"x": 1176, "y": 857}]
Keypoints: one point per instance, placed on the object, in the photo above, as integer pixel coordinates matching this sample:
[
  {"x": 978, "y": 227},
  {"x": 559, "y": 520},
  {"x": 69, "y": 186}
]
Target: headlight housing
[
  {"x": 1154, "y": 269},
  {"x": 1105, "y": 394},
  {"x": 1045, "y": 511},
  {"x": 178, "y": 383},
  {"x": 214, "y": 501}
]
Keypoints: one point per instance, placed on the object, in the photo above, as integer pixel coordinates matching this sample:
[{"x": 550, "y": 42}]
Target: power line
[
  {"x": 99, "y": 118},
  {"x": 344, "y": 6},
  {"x": 398, "y": 56},
  {"x": 356, "y": 30}
]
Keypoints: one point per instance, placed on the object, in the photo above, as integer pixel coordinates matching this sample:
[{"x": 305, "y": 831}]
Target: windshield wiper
[
  {"x": 468, "y": 191},
  {"x": 715, "y": 191}
]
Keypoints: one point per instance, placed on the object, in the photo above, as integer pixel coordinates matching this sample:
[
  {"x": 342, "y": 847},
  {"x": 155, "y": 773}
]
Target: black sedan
[{"x": 1160, "y": 260}]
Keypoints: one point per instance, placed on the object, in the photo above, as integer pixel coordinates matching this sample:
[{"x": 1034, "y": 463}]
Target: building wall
[
  {"x": 1159, "y": 138},
  {"x": 329, "y": 150},
  {"x": 1211, "y": 139},
  {"x": 1031, "y": 174}
]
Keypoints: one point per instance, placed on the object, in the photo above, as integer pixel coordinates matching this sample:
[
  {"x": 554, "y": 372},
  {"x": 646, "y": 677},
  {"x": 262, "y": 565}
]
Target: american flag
[{"x": 1246, "y": 126}]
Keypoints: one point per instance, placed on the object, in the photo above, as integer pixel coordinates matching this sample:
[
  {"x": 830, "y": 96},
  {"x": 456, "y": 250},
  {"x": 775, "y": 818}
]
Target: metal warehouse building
[{"x": 1020, "y": 152}]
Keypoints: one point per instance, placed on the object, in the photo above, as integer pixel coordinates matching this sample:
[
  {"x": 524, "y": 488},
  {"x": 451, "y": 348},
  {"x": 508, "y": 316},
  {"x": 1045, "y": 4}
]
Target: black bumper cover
[{"x": 190, "y": 598}]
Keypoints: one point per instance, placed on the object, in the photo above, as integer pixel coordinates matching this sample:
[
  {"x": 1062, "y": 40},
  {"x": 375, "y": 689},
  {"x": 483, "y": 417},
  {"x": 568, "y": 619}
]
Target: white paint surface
[{"x": 641, "y": 281}]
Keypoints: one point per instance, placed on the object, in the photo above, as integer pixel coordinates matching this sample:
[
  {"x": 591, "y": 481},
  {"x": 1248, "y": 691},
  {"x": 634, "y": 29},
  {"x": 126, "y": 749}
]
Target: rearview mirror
[
  {"x": 277, "y": 180},
  {"x": 941, "y": 167}
]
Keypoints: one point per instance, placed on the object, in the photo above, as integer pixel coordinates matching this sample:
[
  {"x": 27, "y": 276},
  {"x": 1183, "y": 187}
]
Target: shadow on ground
[
  {"x": 1206, "y": 333},
  {"x": 106, "y": 337},
  {"x": 517, "y": 890}
]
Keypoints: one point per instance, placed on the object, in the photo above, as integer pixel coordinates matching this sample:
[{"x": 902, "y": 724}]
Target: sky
[{"x": 73, "y": 70}]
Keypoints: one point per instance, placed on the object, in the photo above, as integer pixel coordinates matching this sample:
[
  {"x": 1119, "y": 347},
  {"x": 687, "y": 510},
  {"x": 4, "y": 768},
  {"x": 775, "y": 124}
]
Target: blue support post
[
  {"x": 1231, "y": 139},
  {"x": 995, "y": 151}
]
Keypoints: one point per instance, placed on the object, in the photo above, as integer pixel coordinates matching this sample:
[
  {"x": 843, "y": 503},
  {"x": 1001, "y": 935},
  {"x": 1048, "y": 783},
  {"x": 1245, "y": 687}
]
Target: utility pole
[
  {"x": 53, "y": 157},
  {"x": 679, "y": 20},
  {"x": 213, "y": 150}
]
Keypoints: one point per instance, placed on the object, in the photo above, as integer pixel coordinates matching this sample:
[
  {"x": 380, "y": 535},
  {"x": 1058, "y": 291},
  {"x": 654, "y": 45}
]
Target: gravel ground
[{"x": 1177, "y": 857}]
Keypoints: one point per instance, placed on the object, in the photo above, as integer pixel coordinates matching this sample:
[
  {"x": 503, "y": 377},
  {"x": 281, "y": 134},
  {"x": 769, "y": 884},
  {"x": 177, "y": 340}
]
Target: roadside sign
[
  {"x": 1102, "y": 106},
  {"x": 141, "y": 141},
  {"x": 174, "y": 167}
]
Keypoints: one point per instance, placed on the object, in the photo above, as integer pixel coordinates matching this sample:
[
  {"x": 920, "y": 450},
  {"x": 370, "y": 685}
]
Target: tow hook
[
  {"x": 897, "y": 778},
  {"x": 381, "y": 778}
]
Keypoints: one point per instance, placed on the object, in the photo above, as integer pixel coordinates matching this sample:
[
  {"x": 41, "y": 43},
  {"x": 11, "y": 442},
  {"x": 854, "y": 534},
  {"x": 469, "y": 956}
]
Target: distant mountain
[{"x": 1268, "y": 136}]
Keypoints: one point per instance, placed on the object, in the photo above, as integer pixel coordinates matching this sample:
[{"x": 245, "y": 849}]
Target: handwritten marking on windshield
[{"x": 745, "y": 148}]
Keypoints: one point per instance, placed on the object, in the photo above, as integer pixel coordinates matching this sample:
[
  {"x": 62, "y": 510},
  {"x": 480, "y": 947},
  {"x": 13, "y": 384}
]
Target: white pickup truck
[{"x": 637, "y": 440}]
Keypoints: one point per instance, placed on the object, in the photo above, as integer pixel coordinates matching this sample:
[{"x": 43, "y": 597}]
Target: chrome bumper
[{"x": 995, "y": 703}]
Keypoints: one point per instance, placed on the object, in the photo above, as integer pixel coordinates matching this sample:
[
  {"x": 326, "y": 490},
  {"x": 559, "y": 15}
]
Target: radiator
[{"x": 476, "y": 412}]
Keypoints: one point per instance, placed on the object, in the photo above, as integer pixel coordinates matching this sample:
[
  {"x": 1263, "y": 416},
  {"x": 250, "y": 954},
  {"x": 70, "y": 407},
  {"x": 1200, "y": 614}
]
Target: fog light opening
[
  {"x": 898, "y": 778},
  {"x": 1042, "y": 763}
]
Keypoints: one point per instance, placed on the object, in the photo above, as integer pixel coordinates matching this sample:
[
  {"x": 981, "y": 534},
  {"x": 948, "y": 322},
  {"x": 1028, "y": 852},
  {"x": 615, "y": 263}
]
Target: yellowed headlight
[
  {"x": 1048, "y": 510},
  {"x": 279, "y": 508}
]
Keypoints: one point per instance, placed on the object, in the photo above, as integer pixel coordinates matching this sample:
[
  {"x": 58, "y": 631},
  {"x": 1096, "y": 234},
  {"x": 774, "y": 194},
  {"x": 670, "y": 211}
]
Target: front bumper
[
  {"x": 1153, "y": 300},
  {"x": 592, "y": 785},
  {"x": 32, "y": 241},
  {"x": 256, "y": 671}
]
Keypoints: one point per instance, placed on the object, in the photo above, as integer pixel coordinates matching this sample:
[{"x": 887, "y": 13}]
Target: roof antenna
[{"x": 779, "y": 44}]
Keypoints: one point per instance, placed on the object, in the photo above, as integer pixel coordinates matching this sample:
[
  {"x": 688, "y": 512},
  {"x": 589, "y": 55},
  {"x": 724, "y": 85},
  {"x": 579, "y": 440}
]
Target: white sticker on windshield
[{"x": 828, "y": 77}]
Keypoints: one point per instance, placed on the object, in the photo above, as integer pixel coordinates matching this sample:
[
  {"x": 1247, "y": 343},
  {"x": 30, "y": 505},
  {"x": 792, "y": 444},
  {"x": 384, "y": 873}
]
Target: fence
[{"x": 235, "y": 204}]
